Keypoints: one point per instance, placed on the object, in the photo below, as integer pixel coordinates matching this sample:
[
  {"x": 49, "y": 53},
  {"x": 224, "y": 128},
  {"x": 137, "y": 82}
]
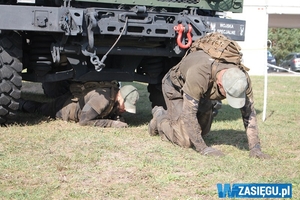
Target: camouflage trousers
[
  {"x": 170, "y": 125},
  {"x": 54, "y": 108}
]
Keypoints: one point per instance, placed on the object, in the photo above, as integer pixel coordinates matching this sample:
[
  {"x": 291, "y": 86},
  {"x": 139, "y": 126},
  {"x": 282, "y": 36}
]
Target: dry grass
[{"x": 47, "y": 159}]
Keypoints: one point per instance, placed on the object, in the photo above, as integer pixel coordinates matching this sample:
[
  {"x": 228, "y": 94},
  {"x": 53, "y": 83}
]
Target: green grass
[{"x": 52, "y": 159}]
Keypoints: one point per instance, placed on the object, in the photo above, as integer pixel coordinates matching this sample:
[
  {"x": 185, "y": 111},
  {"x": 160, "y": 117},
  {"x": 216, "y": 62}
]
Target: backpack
[
  {"x": 219, "y": 47},
  {"x": 79, "y": 90}
]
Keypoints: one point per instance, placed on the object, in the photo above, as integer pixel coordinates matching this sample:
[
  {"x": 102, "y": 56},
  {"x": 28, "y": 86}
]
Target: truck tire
[
  {"x": 156, "y": 96},
  {"x": 158, "y": 67},
  {"x": 10, "y": 75}
]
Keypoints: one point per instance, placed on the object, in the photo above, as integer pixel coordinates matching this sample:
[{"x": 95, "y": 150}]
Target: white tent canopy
[{"x": 259, "y": 16}]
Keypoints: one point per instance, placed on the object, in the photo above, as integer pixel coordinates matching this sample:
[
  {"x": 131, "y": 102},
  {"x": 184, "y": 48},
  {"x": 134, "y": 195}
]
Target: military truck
[{"x": 56, "y": 42}]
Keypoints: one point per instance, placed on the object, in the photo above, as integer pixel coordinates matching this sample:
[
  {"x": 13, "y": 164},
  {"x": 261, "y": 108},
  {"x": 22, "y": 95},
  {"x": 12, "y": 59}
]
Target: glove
[
  {"x": 257, "y": 153},
  {"x": 119, "y": 118},
  {"x": 209, "y": 151},
  {"x": 119, "y": 124}
]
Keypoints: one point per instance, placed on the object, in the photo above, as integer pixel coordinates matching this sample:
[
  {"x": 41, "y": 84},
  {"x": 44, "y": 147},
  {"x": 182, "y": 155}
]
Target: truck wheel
[
  {"x": 161, "y": 67},
  {"x": 10, "y": 76},
  {"x": 56, "y": 89},
  {"x": 156, "y": 96}
]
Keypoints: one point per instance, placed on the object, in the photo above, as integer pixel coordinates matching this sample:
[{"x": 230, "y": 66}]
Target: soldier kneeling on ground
[
  {"x": 211, "y": 71},
  {"x": 91, "y": 103}
]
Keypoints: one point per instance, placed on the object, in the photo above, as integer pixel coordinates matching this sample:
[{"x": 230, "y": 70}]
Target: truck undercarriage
[{"x": 57, "y": 42}]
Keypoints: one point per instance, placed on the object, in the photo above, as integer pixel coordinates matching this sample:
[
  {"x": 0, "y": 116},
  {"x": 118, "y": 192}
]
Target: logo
[{"x": 255, "y": 190}]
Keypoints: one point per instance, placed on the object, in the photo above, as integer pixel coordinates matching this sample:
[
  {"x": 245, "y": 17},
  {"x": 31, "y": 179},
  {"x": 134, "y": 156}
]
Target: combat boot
[
  {"x": 156, "y": 112},
  {"x": 28, "y": 106}
]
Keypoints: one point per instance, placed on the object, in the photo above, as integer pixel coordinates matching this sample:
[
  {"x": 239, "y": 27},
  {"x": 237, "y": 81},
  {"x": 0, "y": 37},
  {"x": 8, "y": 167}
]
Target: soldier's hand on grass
[
  {"x": 257, "y": 153},
  {"x": 119, "y": 118},
  {"x": 119, "y": 124},
  {"x": 209, "y": 151}
]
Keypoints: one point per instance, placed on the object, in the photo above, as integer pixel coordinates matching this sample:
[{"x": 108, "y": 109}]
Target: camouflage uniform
[
  {"x": 92, "y": 103},
  {"x": 189, "y": 88}
]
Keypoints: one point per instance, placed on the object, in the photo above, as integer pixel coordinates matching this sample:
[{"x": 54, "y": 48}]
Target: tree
[{"x": 284, "y": 41}]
